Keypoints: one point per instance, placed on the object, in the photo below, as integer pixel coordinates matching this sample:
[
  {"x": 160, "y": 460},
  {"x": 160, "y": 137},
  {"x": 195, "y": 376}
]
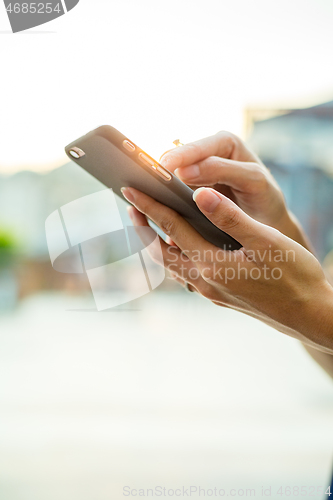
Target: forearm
[
  {"x": 293, "y": 229},
  {"x": 324, "y": 359}
]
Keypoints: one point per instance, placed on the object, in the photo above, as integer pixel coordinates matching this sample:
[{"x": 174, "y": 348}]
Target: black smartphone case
[{"x": 108, "y": 161}]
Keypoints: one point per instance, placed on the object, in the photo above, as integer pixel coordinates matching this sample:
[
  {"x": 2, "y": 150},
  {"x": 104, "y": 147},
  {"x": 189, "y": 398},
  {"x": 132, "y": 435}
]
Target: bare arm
[
  {"x": 324, "y": 359},
  {"x": 227, "y": 165},
  {"x": 296, "y": 232}
]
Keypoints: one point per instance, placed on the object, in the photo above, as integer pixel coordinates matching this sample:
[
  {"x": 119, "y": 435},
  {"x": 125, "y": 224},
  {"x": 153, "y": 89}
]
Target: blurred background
[{"x": 169, "y": 389}]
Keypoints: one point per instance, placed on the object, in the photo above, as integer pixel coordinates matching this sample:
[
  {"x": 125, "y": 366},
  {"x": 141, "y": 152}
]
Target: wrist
[
  {"x": 317, "y": 318},
  {"x": 290, "y": 226}
]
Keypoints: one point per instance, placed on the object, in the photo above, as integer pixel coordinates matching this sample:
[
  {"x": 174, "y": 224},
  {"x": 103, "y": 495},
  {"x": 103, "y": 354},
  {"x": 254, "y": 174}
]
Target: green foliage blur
[{"x": 8, "y": 247}]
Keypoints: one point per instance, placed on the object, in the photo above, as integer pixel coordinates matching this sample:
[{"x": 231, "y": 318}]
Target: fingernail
[
  {"x": 206, "y": 199},
  {"x": 128, "y": 194},
  {"x": 186, "y": 173}
]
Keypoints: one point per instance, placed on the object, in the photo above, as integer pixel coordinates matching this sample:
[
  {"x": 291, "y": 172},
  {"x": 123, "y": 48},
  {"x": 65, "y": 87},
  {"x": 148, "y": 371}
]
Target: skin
[{"x": 274, "y": 277}]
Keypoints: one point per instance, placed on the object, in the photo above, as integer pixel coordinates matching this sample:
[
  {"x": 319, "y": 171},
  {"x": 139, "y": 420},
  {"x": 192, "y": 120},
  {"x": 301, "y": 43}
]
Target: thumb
[{"x": 226, "y": 215}]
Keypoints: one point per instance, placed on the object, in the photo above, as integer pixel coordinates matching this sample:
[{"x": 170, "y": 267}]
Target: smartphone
[{"x": 118, "y": 162}]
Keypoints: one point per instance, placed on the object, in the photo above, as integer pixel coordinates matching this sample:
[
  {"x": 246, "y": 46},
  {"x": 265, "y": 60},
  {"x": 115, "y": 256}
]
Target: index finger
[{"x": 221, "y": 144}]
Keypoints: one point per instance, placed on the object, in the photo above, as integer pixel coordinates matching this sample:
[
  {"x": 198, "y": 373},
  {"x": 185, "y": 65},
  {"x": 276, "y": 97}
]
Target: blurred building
[
  {"x": 26, "y": 200},
  {"x": 297, "y": 146}
]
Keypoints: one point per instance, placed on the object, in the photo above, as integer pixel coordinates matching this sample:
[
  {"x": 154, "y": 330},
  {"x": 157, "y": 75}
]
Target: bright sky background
[{"x": 157, "y": 71}]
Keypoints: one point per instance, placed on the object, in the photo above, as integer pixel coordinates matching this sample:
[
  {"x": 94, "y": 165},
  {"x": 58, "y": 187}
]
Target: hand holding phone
[{"x": 118, "y": 162}]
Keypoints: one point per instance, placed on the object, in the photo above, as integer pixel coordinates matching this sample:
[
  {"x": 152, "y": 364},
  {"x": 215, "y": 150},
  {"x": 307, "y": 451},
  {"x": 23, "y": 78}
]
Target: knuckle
[
  {"x": 213, "y": 163},
  {"x": 258, "y": 179},
  {"x": 230, "y": 144},
  {"x": 231, "y": 218},
  {"x": 232, "y": 139},
  {"x": 168, "y": 225}
]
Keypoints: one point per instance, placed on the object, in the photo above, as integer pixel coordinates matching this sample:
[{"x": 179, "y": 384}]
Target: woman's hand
[
  {"x": 223, "y": 162},
  {"x": 271, "y": 277}
]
